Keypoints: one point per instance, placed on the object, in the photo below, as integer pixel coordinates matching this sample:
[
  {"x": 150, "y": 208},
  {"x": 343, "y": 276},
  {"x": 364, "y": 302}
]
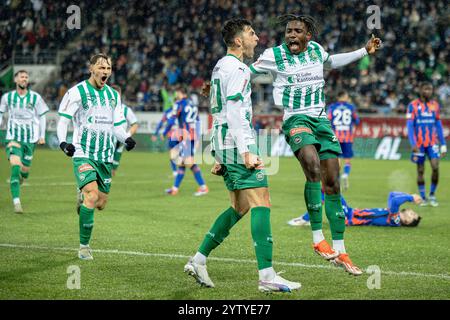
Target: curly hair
[{"x": 309, "y": 22}]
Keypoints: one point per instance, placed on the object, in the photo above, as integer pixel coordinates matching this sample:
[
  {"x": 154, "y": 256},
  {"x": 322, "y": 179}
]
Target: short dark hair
[
  {"x": 232, "y": 28},
  {"x": 413, "y": 223},
  {"x": 309, "y": 21},
  {"x": 425, "y": 83},
  {"x": 20, "y": 71},
  {"x": 341, "y": 94},
  {"x": 93, "y": 60}
]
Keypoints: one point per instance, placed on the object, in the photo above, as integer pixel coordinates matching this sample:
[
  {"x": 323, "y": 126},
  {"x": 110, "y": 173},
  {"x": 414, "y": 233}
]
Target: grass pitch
[{"x": 143, "y": 238}]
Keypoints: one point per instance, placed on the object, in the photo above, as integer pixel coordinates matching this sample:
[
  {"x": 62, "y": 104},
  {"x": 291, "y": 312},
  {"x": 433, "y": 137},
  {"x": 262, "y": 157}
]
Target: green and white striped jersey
[
  {"x": 24, "y": 113},
  {"x": 130, "y": 118},
  {"x": 230, "y": 81},
  {"x": 94, "y": 113},
  {"x": 298, "y": 79}
]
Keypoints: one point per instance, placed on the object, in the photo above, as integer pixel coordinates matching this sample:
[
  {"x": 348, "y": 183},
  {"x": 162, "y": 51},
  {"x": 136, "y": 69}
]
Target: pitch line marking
[{"x": 180, "y": 256}]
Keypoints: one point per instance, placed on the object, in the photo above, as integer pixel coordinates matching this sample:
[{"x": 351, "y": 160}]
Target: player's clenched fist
[
  {"x": 251, "y": 160},
  {"x": 129, "y": 143},
  {"x": 373, "y": 45},
  {"x": 67, "y": 148}
]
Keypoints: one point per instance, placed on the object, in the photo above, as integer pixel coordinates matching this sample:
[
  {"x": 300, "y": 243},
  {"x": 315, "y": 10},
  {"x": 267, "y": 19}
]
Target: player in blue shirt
[
  {"x": 172, "y": 138},
  {"x": 343, "y": 117},
  {"x": 186, "y": 114},
  {"x": 425, "y": 135},
  {"x": 391, "y": 216}
]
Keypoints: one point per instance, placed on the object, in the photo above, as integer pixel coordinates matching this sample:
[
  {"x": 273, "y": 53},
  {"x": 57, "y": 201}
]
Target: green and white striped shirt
[
  {"x": 95, "y": 113},
  {"x": 24, "y": 113},
  {"x": 232, "y": 126},
  {"x": 298, "y": 79}
]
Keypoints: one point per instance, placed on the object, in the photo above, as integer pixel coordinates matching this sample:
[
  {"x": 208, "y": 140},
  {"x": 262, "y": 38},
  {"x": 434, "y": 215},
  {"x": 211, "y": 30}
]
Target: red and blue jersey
[
  {"x": 186, "y": 113},
  {"x": 384, "y": 217},
  {"x": 343, "y": 117},
  {"x": 172, "y": 133},
  {"x": 424, "y": 124}
]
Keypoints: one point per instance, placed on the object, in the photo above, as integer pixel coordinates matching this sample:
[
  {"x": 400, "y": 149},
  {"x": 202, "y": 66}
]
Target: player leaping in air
[
  {"x": 297, "y": 67},
  {"x": 26, "y": 127},
  {"x": 96, "y": 111}
]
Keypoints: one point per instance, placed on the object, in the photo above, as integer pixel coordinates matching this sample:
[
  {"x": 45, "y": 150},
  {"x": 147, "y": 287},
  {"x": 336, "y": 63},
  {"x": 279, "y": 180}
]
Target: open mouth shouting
[{"x": 294, "y": 46}]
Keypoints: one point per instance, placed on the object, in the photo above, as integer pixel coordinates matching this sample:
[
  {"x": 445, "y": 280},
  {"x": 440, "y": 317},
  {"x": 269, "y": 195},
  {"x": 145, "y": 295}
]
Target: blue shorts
[
  {"x": 187, "y": 148},
  {"x": 347, "y": 150},
  {"x": 432, "y": 152}
]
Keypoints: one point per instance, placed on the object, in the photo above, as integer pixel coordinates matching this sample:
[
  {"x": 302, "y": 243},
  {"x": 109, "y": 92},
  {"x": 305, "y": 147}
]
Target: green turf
[{"x": 139, "y": 219}]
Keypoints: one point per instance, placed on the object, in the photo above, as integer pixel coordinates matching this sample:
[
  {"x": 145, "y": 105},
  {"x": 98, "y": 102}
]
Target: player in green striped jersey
[
  {"x": 96, "y": 111},
  {"x": 297, "y": 68},
  {"x": 26, "y": 127},
  {"x": 131, "y": 126},
  {"x": 234, "y": 148}
]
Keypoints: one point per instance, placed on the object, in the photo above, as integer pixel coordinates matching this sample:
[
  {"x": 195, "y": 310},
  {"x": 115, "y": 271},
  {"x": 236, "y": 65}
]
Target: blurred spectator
[{"x": 152, "y": 49}]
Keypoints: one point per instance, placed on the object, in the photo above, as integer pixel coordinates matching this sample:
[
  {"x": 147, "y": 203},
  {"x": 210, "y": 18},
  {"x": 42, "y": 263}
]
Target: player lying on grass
[
  {"x": 96, "y": 111},
  {"x": 391, "y": 216}
]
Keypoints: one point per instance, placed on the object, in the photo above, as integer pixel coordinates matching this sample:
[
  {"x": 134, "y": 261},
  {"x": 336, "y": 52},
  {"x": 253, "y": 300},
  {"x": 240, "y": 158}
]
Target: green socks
[
  {"x": 15, "y": 182},
  {"x": 86, "y": 224},
  {"x": 262, "y": 236},
  {"x": 313, "y": 200},
  {"x": 335, "y": 215},
  {"x": 219, "y": 230}
]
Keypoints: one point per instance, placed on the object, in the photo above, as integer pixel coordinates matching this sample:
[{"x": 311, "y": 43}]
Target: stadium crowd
[{"x": 158, "y": 44}]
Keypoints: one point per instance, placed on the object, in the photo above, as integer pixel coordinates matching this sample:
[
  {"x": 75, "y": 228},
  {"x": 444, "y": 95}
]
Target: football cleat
[
  {"x": 201, "y": 191},
  {"x": 298, "y": 222},
  {"x": 424, "y": 203},
  {"x": 433, "y": 202},
  {"x": 343, "y": 260},
  {"x": 199, "y": 272},
  {"x": 171, "y": 192},
  {"x": 278, "y": 284},
  {"x": 85, "y": 253},
  {"x": 325, "y": 250},
  {"x": 18, "y": 208}
]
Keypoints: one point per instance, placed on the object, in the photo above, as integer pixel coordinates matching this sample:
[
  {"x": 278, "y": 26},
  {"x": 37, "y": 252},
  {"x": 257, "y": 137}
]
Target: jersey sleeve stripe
[
  {"x": 237, "y": 96},
  {"x": 43, "y": 113},
  {"x": 253, "y": 70},
  {"x": 64, "y": 115},
  {"x": 119, "y": 123}
]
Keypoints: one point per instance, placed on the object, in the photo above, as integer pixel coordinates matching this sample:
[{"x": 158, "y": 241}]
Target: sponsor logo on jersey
[
  {"x": 340, "y": 214},
  {"x": 260, "y": 176},
  {"x": 85, "y": 167},
  {"x": 82, "y": 177},
  {"x": 298, "y": 140},
  {"x": 107, "y": 180},
  {"x": 334, "y": 139},
  {"x": 295, "y": 131}
]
